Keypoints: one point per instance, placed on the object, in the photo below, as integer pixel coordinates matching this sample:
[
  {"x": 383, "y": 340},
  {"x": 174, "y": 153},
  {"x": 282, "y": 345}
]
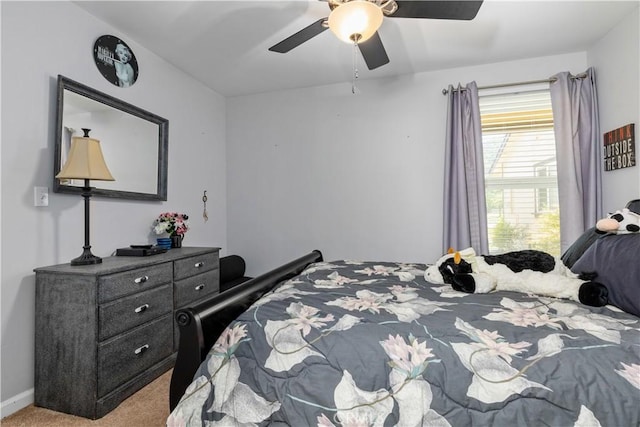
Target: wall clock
[{"x": 115, "y": 61}]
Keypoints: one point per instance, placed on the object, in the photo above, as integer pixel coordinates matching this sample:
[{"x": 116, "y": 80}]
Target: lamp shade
[
  {"x": 85, "y": 161},
  {"x": 355, "y": 21}
]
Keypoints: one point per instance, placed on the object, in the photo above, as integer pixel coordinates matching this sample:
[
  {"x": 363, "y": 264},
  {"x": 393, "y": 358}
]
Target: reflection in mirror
[{"x": 133, "y": 142}]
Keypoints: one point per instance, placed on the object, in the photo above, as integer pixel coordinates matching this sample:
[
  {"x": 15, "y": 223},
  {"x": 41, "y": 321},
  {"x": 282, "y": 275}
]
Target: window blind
[{"x": 520, "y": 171}]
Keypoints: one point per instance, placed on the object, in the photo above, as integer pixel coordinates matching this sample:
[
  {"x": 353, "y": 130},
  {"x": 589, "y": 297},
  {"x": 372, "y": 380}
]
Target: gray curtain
[
  {"x": 579, "y": 153},
  {"x": 465, "y": 213}
]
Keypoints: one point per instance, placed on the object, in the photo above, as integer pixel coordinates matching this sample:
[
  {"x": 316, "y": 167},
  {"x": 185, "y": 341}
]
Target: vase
[
  {"x": 176, "y": 241},
  {"x": 164, "y": 242}
]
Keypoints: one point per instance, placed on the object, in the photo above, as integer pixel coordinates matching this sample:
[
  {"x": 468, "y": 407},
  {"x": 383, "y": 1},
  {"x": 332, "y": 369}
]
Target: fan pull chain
[{"x": 355, "y": 67}]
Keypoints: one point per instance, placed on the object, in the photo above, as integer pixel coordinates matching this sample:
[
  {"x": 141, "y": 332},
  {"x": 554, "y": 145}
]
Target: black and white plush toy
[
  {"x": 527, "y": 271},
  {"x": 619, "y": 222}
]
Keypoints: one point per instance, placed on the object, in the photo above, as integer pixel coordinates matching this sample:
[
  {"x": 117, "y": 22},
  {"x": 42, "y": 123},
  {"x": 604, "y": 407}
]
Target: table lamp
[{"x": 86, "y": 162}]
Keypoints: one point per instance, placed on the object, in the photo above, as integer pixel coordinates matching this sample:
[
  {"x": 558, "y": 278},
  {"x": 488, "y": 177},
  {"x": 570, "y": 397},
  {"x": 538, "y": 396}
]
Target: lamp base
[{"x": 87, "y": 258}]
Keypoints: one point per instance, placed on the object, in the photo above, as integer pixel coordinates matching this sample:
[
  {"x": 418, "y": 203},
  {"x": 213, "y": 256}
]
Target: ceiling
[{"x": 224, "y": 44}]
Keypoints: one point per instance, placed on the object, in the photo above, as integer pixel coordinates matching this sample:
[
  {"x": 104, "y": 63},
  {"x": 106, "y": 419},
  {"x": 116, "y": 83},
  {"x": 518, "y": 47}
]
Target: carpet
[{"x": 149, "y": 407}]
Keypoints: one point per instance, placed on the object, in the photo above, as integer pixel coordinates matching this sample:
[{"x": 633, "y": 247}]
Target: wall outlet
[{"x": 40, "y": 196}]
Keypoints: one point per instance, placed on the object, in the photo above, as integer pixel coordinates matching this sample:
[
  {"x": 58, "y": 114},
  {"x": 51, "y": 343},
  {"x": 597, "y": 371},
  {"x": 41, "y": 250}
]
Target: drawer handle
[
  {"x": 141, "y": 279},
  {"x": 198, "y": 264},
  {"x": 141, "y": 308},
  {"x": 142, "y": 349},
  {"x": 200, "y": 287}
]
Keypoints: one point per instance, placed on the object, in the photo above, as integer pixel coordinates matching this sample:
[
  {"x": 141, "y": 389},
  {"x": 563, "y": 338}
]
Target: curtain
[
  {"x": 465, "y": 213},
  {"x": 578, "y": 151}
]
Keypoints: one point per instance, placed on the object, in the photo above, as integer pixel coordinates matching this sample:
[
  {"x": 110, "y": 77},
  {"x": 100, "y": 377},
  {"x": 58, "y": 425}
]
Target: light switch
[{"x": 40, "y": 196}]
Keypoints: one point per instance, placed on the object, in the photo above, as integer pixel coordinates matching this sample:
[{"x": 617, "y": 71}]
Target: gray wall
[
  {"x": 358, "y": 176},
  {"x": 39, "y": 41},
  {"x": 616, "y": 59}
]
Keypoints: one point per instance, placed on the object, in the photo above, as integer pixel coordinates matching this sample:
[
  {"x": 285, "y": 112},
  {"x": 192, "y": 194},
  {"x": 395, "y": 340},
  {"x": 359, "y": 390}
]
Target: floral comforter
[{"x": 374, "y": 344}]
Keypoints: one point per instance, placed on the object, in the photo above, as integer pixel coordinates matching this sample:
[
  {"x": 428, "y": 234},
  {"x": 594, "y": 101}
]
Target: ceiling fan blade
[
  {"x": 373, "y": 52},
  {"x": 442, "y": 9},
  {"x": 300, "y": 37}
]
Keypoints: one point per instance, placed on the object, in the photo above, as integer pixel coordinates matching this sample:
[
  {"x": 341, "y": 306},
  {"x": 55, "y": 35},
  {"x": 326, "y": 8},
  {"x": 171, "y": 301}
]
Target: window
[
  {"x": 546, "y": 196},
  {"x": 520, "y": 172}
]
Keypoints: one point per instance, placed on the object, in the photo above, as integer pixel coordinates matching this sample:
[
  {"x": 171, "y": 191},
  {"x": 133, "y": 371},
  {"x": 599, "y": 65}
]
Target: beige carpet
[{"x": 149, "y": 407}]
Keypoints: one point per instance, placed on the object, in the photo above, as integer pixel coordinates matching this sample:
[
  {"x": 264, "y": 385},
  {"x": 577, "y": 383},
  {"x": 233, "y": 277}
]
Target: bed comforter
[{"x": 373, "y": 344}]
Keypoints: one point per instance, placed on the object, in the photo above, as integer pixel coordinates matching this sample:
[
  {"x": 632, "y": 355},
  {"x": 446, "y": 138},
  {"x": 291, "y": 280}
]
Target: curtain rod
[{"x": 530, "y": 82}]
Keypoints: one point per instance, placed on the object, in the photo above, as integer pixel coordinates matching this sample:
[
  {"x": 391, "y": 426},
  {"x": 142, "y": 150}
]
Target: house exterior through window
[{"x": 520, "y": 172}]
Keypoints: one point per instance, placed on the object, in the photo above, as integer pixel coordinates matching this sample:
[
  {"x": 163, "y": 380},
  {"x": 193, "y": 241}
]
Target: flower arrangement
[{"x": 172, "y": 223}]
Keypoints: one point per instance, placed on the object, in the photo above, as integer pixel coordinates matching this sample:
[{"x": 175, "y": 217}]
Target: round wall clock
[{"x": 115, "y": 61}]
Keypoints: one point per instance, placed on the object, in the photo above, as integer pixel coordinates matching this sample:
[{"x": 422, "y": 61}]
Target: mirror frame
[{"x": 64, "y": 83}]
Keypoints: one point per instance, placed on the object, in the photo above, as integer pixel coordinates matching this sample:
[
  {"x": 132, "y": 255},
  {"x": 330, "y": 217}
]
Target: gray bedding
[{"x": 374, "y": 344}]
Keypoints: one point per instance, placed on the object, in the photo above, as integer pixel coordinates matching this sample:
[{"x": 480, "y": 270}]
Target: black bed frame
[{"x": 202, "y": 324}]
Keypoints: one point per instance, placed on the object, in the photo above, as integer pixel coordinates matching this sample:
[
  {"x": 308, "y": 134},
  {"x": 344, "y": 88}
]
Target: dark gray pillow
[
  {"x": 575, "y": 251},
  {"x": 615, "y": 259},
  {"x": 634, "y": 206}
]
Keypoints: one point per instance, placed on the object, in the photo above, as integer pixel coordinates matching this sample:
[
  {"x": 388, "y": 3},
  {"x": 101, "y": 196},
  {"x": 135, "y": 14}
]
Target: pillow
[
  {"x": 232, "y": 267},
  {"x": 615, "y": 259},
  {"x": 634, "y": 206},
  {"x": 575, "y": 251}
]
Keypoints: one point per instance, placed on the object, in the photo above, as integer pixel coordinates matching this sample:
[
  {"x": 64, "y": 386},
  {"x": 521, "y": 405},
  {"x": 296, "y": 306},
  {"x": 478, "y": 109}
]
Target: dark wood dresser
[{"x": 104, "y": 331}]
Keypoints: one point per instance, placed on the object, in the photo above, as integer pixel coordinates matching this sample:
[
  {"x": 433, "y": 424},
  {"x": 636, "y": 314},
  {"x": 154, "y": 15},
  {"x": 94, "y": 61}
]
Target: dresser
[{"x": 104, "y": 331}]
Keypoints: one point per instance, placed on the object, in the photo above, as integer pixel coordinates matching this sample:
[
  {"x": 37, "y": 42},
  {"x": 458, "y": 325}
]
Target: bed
[{"x": 346, "y": 343}]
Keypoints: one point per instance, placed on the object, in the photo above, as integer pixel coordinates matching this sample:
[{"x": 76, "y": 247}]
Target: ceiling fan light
[{"x": 355, "y": 20}]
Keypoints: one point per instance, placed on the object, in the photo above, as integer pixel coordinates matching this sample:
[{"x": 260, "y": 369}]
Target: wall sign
[
  {"x": 115, "y": 61},
  {"x": 620, "y": 148}
]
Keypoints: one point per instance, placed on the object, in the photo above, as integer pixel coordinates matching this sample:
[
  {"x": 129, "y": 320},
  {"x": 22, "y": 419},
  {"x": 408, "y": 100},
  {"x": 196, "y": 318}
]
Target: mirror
[{"x": 134, "y": 142}]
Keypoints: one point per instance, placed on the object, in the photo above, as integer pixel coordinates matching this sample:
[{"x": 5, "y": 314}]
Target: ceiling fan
[{"x": 357, "y": 21}]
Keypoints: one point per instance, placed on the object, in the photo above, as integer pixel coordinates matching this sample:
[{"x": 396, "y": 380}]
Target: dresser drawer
[
  {"x": 117, "y": 285},
  {"x": 125, "y": 356},
  {"x": 126, "y": 313},
  {"x": 194, "y": 288},
  {"x": 195, "y": 265}
]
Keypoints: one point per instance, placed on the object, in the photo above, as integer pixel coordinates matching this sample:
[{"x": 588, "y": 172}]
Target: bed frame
[{"x": 202, "y": 324}]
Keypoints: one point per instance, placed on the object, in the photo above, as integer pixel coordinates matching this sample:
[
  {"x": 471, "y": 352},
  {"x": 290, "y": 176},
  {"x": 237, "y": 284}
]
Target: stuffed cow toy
[
  {"x": 619, "y": 222},
  {"x": 526, "y": 271}
]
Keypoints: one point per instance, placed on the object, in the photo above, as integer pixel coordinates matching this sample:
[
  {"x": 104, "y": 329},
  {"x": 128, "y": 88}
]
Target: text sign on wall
[{"x": 620, "y": 148}]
